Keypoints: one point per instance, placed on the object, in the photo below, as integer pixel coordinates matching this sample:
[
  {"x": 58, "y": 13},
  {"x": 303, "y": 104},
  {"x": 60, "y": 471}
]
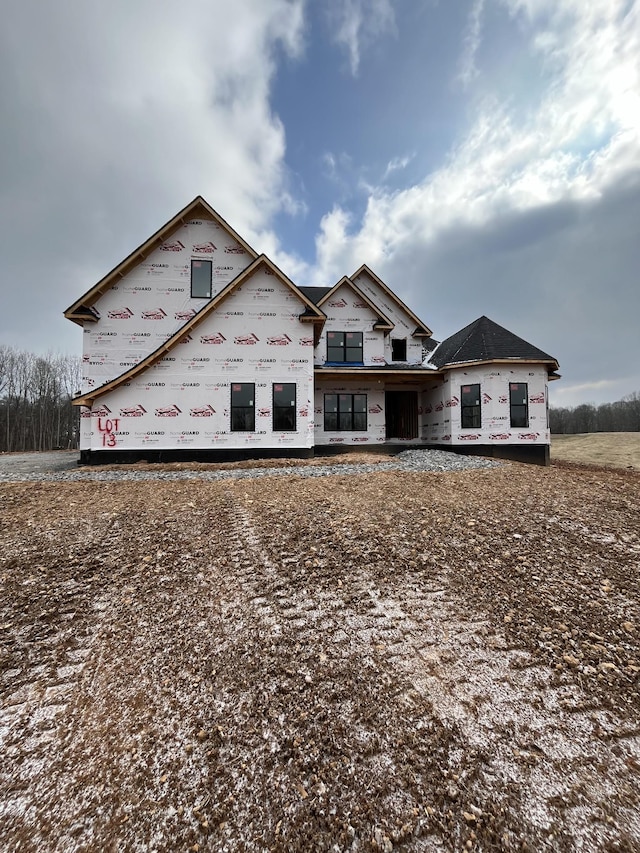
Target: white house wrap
[{"x": 194, "y": 345}]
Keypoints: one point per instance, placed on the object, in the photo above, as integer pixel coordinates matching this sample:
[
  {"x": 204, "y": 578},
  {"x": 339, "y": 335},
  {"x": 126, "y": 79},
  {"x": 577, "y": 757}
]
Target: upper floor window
[
  {"x": 243, "y": 407},
  {"x": 398, "y": 349},
  {"x": 344, "y": 347},
  {"x": 201, "y": 279},
  {"x": 470, "y": 406},
  {"x": 519, "y": 404},
  {"x": 284, "y": 407}
]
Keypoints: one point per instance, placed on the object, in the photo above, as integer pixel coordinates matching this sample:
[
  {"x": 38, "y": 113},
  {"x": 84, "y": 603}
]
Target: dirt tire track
[{"x": 349, "y": 664}]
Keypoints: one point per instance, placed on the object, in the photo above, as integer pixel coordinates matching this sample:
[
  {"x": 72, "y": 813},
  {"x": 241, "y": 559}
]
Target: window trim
[
  {"x": 275, "y": 408},
  {"x": 524, "y": 406},
  {"x": 471, "y": 413},
  {"x": 251, "y": 408},
  {"x": 344, "y": 348},
  {"x": 202, "y": 261},
  {"x": 352, "y": 412}
]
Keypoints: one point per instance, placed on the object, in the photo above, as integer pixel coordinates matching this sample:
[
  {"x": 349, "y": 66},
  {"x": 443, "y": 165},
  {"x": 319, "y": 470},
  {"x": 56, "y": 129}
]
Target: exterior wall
[
  {"x": 183, "y": 401},
  {"x": 404, "y": 325},
  {"x": 435, "y": 417},
  {"x": 443, "y": 422},
  {"x": 153, "y": 301},
  {"x": 375, "y": 432},
  {"x": 376, "y": 412},
  {"x": 346, "y": 312}
]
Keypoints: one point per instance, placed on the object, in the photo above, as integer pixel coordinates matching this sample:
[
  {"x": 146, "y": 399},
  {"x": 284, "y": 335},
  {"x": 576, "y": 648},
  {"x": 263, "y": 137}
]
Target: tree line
[
  {"x": 35, "y": 400},
  {"x": 621, "y": 416},
  {"x": 36, "y": 411}
]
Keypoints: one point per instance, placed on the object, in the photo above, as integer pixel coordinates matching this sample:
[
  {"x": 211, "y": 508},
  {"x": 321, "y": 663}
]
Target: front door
[{"x": 401, "y": 412}]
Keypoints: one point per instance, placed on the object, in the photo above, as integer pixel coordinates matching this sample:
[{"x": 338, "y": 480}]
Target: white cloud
[
  {"x": 531, "y": 219},
  {"x": 357, "y": 23},
  {"x": 160, "y": 90},
  {"x": 578, "y": 139},
  {"x": 468, "y": 70},
  {"x": 396, "y": 164},
  {"x": 115, "y": 117}
]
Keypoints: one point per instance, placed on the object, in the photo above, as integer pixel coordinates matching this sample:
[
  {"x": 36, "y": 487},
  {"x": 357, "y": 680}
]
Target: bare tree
[
  {"x": 621, "y": 416},
  {"x": 35, "y": 400}
]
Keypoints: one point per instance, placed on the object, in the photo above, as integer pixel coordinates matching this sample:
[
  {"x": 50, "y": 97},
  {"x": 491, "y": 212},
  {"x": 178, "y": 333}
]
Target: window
[
  {"x": 398, "y": 349},
  {"x": 243, "y": 409},
  {"x": 345, "y": 412},
  {"x": 284, "y": 407},
  {"x": 345, "y": 347},
  {"x": 470, "y": 406},
  {"x": 200, "y": 279},
  {"x": 519, "y": 405}
]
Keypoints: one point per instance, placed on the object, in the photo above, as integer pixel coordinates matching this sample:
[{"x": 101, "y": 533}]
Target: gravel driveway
[
  {"x": 12, "y": 464},
  {"x": 63, "y": 466}
]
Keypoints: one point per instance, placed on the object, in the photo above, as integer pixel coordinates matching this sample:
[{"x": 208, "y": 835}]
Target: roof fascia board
[
  {"x": 143, "y": 250},
  {"x": 88, "y": 398},
  {"x": 376, "y": 371},
  {"x": 453, "y": 365},
  {"x": 421, "y": 326}
]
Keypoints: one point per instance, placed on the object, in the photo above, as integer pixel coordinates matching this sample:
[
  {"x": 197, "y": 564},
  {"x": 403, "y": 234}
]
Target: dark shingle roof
[
  {"x": 484, "y": 340},
  {"x": 314, "y": 293}
]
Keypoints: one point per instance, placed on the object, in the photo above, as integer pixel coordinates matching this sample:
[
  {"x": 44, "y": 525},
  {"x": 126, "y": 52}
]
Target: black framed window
[
  {"x": 200, "y": 279},
  {"x": 345, "y": 412},
  {"x": 284, "y": 407},
  {"x": 344, "y": 347},
  {"x": 243, "y": 407},
  {"x": 471, "y": 417},
  {"x": 398, "y": 349},
  {"x": 519, "y": 404}
]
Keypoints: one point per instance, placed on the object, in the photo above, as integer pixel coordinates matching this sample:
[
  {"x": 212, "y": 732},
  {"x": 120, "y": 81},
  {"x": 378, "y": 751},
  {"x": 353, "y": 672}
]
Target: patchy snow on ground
[{"x": 411, "y": 661}]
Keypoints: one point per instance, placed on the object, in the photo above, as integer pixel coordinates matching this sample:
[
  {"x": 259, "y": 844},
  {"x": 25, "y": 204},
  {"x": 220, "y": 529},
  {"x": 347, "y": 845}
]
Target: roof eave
[
  {"x": 425, "y": 372},
  {"x": 84, "y": 313},
  {"x": 551, "y": 363}
]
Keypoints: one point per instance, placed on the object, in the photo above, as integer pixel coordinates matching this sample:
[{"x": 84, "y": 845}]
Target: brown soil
[
  {"x": 363, "y": 457},
  {"x": 617, "y": 449},
  {"x": 389, "y": 661}
]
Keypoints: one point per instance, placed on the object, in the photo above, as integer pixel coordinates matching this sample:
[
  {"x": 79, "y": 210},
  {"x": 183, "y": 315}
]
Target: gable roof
[
  {"x": 484, "y": 340},
  {"x": 314, "y": 293},
  {"x": 311, "y": 314},
  {"x": 421, "y": 329},
  {"x": 81, "y": 309},
  {"x": 383, "y": 323}
]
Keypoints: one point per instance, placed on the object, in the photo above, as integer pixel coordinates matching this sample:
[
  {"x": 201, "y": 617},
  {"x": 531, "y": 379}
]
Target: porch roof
[{"x": 400, "y": 370}]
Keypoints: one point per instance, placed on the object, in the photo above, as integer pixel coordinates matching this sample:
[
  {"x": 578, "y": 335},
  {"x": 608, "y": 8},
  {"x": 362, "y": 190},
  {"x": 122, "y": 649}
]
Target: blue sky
[{"x": 482, "y": 156}]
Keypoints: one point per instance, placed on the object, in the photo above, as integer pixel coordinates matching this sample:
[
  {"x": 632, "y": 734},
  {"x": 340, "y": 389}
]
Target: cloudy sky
[{"x": 482, "y": 156}]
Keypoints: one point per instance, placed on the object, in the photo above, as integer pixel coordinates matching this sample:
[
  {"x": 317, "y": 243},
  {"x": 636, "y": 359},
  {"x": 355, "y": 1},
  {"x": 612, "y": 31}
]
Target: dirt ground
[
  {"x": 388, "y": 661},
  {"x": 619, "y": 449}
]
